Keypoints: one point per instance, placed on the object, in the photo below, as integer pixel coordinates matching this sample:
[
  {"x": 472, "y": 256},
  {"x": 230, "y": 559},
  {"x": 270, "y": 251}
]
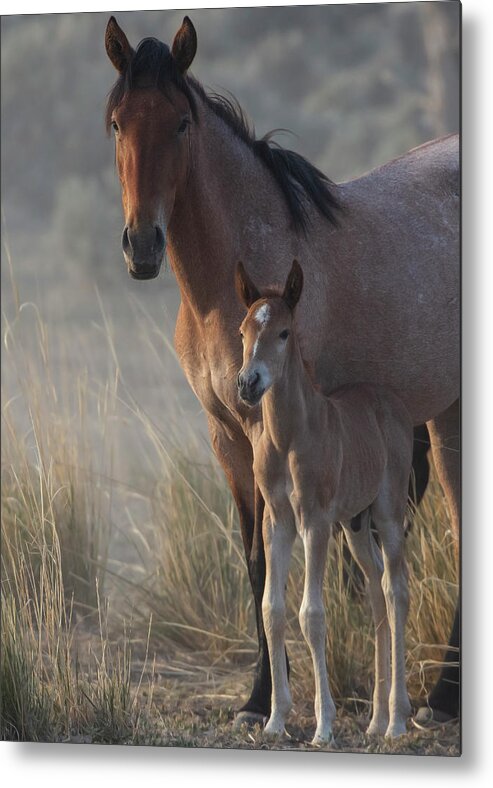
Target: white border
[{"x": 47, "y": 7}]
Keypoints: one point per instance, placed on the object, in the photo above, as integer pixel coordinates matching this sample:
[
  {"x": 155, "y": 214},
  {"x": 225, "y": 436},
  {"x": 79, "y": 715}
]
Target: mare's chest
[{"x": 210, "y": 358}]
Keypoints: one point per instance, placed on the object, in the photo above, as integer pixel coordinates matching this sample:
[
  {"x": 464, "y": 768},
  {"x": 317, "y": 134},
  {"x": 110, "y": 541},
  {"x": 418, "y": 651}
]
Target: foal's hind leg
[
  {"x": 366, "y": 553},
  {"x": 390, "y": 525},
  {"x": 278, "y": 542},
  {"x": 312, "y": 620}
]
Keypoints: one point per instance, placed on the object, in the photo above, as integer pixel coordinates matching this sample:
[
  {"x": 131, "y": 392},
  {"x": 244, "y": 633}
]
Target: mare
[
  {"x": 380, "y": 255},
  {"x": 318, "y": 460}
]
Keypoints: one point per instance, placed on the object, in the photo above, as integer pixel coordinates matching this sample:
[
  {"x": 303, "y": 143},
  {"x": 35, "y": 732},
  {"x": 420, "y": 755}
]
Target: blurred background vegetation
[{"x": 356, "y": 84}]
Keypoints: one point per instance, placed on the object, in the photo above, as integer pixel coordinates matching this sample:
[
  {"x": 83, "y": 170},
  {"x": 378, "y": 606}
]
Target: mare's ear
[
  {"x": 185, "y": 45},
  {"x": 247, "y": 292},
  {"x": 118, "y": 49},
  {"x": 294, "y": 285}
]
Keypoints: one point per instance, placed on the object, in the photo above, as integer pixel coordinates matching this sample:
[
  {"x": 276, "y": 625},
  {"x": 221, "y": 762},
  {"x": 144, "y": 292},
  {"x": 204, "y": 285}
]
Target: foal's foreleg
[
  {"x": 367, "y": 555},
  {"x": 312, "y": 620},
  {"x": 278, "y": 543}
]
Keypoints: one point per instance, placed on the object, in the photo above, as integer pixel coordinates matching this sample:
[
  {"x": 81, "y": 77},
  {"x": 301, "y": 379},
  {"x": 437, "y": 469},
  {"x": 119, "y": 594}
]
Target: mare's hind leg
[
  {"x": 312, "y": 620},
  {"x": 444, "y": 700},
  {"x": 367, "y": 555},
  {"x": 278, "y": 543}
]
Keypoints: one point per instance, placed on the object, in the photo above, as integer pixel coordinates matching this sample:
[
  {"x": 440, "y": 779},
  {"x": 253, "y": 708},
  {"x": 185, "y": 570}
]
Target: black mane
[{"x": 152, "y": 65}]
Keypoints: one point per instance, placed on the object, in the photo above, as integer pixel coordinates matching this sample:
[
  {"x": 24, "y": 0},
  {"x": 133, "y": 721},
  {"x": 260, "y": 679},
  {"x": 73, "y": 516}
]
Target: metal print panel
[{"x": 231, "y": 378}]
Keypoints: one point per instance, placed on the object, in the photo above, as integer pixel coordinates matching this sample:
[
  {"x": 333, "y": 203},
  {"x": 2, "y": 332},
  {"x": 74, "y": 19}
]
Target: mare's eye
[
  {"x": 284, "y": 334},
  {"x": 114, "y": 126},
  {"x": 241, "y": 334},
  {"x": 183, "y": 125}
]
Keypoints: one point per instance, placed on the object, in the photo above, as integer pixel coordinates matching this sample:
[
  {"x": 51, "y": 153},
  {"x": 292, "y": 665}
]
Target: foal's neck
[{"x": 286, "y": 405}]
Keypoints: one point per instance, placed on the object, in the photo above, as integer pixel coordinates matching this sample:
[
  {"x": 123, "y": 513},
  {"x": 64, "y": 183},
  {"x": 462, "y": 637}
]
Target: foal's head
[
  {"x": 150, "y": 110},
  {"x": 266, "y": 332}
]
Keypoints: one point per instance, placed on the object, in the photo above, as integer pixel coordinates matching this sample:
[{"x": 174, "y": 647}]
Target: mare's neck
[
  {"x": 289, "y": 401},
  {"x": 221, "y": 215}
]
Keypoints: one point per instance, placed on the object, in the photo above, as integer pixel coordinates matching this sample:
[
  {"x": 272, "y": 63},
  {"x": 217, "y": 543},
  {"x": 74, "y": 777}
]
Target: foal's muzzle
[
  {"x": 250, "y": 388},
  {"x": 143, "y": 249}
]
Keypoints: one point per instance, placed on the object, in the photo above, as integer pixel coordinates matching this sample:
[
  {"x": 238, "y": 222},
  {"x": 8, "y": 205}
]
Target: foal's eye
[
  {"x": 114, "y": 126},
  {"x": 183, "y": 125},
  {"x": 284, "y": 334}
]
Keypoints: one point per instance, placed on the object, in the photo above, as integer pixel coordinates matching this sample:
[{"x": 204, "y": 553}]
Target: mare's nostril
[
  {"x": 238, "y": 380},
  {"x": 159, "y": 239},
  {"x": 254, "y": 379},
  {"x": 126, "y": 241}
]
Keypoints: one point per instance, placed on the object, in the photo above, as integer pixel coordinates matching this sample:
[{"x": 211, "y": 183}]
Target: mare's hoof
[
  {"x": 426, "y": 717},
  {"x": 249, "y": 719}
]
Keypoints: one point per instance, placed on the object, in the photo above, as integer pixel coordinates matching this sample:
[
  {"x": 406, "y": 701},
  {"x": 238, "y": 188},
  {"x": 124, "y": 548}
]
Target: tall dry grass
[
  {"x": 56, "y": 681},
  {"x": 72, "y": 666}
]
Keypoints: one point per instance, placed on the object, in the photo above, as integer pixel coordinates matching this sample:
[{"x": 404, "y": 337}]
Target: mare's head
[
  {"x": 266, "y": 331},
  {"x": 150, "y": 109}
]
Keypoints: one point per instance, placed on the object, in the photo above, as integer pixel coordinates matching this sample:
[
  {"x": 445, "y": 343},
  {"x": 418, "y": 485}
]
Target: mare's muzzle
[{"x": 143, "y": 249}]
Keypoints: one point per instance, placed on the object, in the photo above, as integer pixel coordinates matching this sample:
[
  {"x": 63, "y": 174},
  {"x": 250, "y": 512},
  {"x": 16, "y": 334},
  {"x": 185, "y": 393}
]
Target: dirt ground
[
  {"x": 191, "y": 706},
  {"x": 207, "y": 721}
]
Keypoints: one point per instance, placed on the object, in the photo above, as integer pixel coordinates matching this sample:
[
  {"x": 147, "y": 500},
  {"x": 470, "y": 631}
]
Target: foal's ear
[
  {"x": 247, "y": 292},
  {"x": 118, "y": 49},
  {"x": 185, "y": 45},
  {"x": 294, "y": 285}
]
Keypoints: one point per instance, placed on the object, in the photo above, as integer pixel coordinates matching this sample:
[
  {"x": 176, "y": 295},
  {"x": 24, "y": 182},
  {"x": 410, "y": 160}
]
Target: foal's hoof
[
  {"x": 274, "y": 731},
  {"x": 322, "y": 739},
  {"x": 426, "y": 717},
  {"x": 249, "y": 719},
  {"x": 377, "y": 727},
  {"x": 395, "y": 730}
]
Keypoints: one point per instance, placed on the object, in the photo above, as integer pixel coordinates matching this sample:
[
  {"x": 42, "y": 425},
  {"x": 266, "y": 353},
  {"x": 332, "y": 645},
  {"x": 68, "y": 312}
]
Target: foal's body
[{"x": 320, "y": 460}]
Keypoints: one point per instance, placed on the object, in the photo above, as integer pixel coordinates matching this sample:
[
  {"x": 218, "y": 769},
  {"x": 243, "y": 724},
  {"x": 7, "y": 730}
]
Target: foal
[{"x": 320, "y": 460}]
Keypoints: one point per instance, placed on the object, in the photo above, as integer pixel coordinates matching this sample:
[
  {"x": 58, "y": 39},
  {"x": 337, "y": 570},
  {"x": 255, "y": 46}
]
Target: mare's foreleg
[
  {"x": 313, "y": 626},
  {"x": 234, "y": 453},
  {"x": 278, "y": 544},
  {"x": 367, "y": 555}
]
